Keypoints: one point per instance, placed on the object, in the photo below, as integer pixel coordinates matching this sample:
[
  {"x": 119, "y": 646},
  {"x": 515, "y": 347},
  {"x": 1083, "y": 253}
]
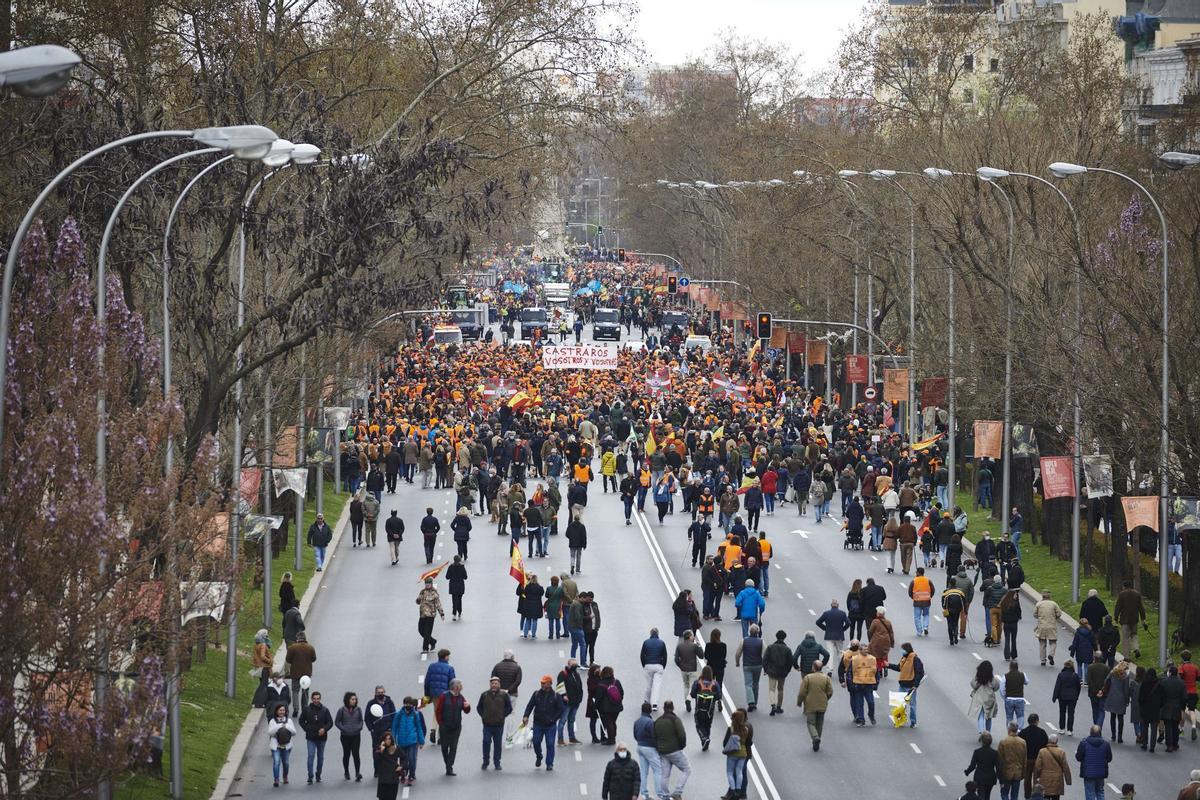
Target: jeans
[
  {"x": 356, "y": 531},
  {"x": 766, "y": 578},
  {"x": 316, "y": 749},
  {"x": 320, "y": 551},
  {"x": 535, "y": 541},
  {"x": 1097, "y": 710},
  {"x": 281, "y": 759},
  {"x": 1015, "y": 538},
  {"x": 1175, "y": 558},
  {"x": 649, "y": 761},
  {"x": 816, "y": 512},
  {"x": 1093, "y": 788},
  {"x": 654, "y": 678},
  {"x": 942, "y": 496},
  {"x": 576, "y": 558},
  {"x": 921, "y": 619},
  {"x": 578, "y": 644},
  {"x": 544, "y": 733},
  {"x": 846, "y": 497},
  {"x": 746, "y": 623},
  {"x": 529, "y": 627},
  {"x": 876, "y": 537},
  {"x": 566, "y": 723},
  {"x": 861, "y": 695},
  {"x": 735, "y": 771},
  {"x": 769, "y": 503},
  {"x": 985, "y": 496},
  {"x": 712, "y": 602},
  {"x": 410, "y": 751},
  {"x": 912, "y": 708},
  {"x": 751, "y": 676},
  {"x": 983, "y": 722},
  {"x": 641, "y": 498},
  {"x": 1010, "y": 790},
  {"x": 544, "y": 542},
  {"x": 557, "y": 628},
  {"x": 1014, "y": 709},
  {"x": 493, "y": 735},
  {"x": 299, "y": 697},
  {"x": 628, "y": 501},
  {"x": 676, "y": 760}
]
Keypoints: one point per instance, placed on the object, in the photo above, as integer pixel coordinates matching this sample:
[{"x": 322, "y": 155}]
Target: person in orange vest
[
  {"x": 921, "y": 590},
  {"x": 706, "y": 504},
  {"x": 765, "y": 561},
  {"x": 645, "y": 478}
]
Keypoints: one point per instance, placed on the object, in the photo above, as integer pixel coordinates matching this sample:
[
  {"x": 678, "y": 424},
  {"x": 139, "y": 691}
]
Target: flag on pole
[
  {"x": 433, "y": 572},
  {"x": 651, "y": 445},
  {"x": 724, "y": 388},
  {"x": 718, "y": 433},
  {"x": 517, "y": 568},
  {"x": 925, "y": 444},
  {"x": 659, "y": 382}
]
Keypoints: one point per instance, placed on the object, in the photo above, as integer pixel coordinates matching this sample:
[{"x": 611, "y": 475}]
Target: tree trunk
[{"x": 1117, "y": 545}]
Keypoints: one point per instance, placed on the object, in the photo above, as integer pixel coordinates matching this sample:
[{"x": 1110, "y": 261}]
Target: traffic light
[
  {"x": 672, "y": 284},
  {"x": 621, "y": 254},
  {"x": 764, "y": 326}
]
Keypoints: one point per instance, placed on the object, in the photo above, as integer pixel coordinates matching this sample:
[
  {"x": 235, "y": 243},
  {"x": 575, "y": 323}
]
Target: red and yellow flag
[
  {"x": 925, "y": 444},
  {"x": 433, "y": 572},
  {"x": 517, "y": 567}
]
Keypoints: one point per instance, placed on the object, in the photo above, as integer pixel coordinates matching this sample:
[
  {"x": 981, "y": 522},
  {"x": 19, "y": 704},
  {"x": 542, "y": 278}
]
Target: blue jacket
[
  {"x": 1093, "y": 755},
  {"x": 834, "y": 622},
  {"x": 749, "y": 603},
  {"x": 1083, "y": 646},
  {"x": 643, "y": 731},
  {"x": 408, "y": 727},
  {"x": 654, "y": 651},
  {"x": 437, "y": 678}
]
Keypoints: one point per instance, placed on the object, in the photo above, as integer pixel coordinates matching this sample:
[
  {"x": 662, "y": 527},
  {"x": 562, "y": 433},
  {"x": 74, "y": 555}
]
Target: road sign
[
  {"x": 870, "y": 393},
  {"x": 684, "y": 282},
  {"x": 773, "y": 352}
]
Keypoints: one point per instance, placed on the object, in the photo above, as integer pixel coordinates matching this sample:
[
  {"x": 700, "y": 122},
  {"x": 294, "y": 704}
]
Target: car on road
[
  {"x": 703, "y": 342},
  {"x": 672, "y": 319},
  {"x": 447, "y": 334},
  {"x": 606, "y": 324},
  {"x": 533, "y": 321},
  {"x": 468, "y": 323}
]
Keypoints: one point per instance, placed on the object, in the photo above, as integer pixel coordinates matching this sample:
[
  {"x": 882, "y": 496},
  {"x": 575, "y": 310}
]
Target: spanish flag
[
  {"x": 517, "y": 567},
  {"x": 925, "y": 444},
  {"x": 651, "y": 445},
  {"x": 433, "y": 572}
]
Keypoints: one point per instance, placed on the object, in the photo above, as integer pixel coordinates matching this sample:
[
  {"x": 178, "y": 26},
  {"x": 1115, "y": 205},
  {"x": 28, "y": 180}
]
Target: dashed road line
[
  {"x": 810, "y": 611},
  {"x": 939, "y": 780},
  {"x": 789, "y": 580},
  {"x": 1113, "y": 786},
  {"x": 799, "y": 595},
  {"x": 583, "y": 789},
  {"x": 578, "y": 755},
  {"x": 916, "y": 749},
  {"x": 977, "y": 656},
  {"x": 874, "y": 558}
]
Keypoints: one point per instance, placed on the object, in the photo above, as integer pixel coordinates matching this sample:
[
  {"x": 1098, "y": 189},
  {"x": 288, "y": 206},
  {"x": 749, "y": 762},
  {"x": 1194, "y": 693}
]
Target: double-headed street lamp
[{"x": 1063, "y": 170}]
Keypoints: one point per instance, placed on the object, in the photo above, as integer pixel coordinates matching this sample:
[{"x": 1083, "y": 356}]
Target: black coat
[
  {"x": 984, "y": 763},
  {"x": 456, "y": 574},
  {"x": 622, "y": 779},
  {"x": 1094, "y": 612},
  {"x": 461, "y": 525},
  {"x": 530, "y": 603},
  {"x": 872, "y": 597},
  {"x": 1150, "y": 700},
  {"x": 577, "y": 535}
]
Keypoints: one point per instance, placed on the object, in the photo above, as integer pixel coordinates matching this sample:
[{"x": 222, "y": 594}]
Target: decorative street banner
[
  {"x": 856, "y": 369},
  {"x": 895, "y": 385},
  {"x": 321, "y": 446},
  {"x": 815, "y": 353},
  {"x": 1140, "y": 511},
  {"x": 202, "y": 599},
  {"x": 295, "y": 480},
  {"x": 795, "y": 342},
  {"x": 779, "y": 337},
  {"x": 255, "y": 527},
  {"x": 989, "y": 435},
  {"x": 1024, "y": 441},
  {"x": 337, "y": 417},
  {"x": 1185, "y": 513},
  {"x": 580, "y": 356},
  {"x": 250, "y": 484},
  {"x": 285, "y": 447},
  {"x": 1058, "y": 478},
  {"x": 933, "y": 392},
  {"x": 1097, "y": 477}
]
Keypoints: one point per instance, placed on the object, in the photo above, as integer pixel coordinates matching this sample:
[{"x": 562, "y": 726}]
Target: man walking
[
  {"x": 429, "y": 604},
  {"x": 670, "y": 738},
  {"x": 777, "y": 663},
  {"x": 371, "y": 519},
  {"x": 1128, "y": 612},
  {"x": 749, "y": 657},
  {"x": 1046, "y": 615},
  {"x": 300, "y": 658},
  {"x": 319, "y": 537},
  {"x": 816, "y": 690},
  {"x": 546, "y": 707},
  {"x": 921, "y": 590},
  {"x": 647, "y": 749},
  {"x": 448, "y": 710},
  {"x": 1094, "y": 755},
  {"x": 654, "y": 662},
  {"x": 750, "y": 605},
  {"x": 1010, "y": 755},
  {"x": 316, "y": 722},
  {"x": 570, "y": 687},
  {"x": 429, "y": 531},
  {"x": 494, "y": 707},
  {"x": 687, "y": 657},
  {"x": 394, "y": 528}
]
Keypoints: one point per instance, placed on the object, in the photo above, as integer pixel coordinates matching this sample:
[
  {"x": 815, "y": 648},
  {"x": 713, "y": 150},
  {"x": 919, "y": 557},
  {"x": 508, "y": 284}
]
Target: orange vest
[
  {"x": 922, "y": 589},
  {"x": 765, "y": 546},
  {"x": 863, "y": 667},
  {"x": 583, "y": 473},
  {"x": 733, "y": 555},
  {"x": 644, "y": 478}
]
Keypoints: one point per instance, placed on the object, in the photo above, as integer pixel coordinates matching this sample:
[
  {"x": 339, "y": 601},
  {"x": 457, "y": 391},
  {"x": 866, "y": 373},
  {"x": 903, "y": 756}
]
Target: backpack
[
  {"x": 854, "y": 604},
  {"x": 706, "y": 696},
  {"x": 614, "y": 696}
]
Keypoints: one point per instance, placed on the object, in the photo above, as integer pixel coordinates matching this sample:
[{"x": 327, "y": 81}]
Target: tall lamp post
[
  {"x": 1063, "y": 170},
  {"x": 994, "y": 174},
  {"x": 38, "y": 70}
]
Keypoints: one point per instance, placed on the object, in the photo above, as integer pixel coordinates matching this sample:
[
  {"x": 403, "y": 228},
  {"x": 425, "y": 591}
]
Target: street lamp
[
  {"x": 37, "y": 71},
  {"x": 995, "y": 174},
  {"x": 243, "y": 141},
  {"x": 1176, "y": 160},
  {"x": 1062, "y": 169}
]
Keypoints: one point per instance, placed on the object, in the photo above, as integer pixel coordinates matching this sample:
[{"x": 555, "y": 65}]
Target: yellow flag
[
  {"x": 651, "y": 446},
  {"x": 718, "y": 433}
]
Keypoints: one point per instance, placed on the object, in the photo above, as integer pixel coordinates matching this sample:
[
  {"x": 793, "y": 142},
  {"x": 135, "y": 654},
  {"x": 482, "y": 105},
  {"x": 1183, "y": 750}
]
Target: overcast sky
[{"x": 673, "y": 30}]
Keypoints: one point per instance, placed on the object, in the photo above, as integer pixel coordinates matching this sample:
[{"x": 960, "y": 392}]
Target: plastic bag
[
  {"x": 898, "y": 701},
  {"x": 521, "y": 737}
]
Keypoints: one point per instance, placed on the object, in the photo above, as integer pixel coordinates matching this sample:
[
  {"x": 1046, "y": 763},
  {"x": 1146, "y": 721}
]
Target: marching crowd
[{"x": 730, "y": 440}]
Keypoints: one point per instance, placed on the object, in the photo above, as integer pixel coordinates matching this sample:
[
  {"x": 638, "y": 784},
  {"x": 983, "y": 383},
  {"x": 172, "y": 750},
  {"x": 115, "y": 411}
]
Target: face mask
[{"x": 622, "y": 754}]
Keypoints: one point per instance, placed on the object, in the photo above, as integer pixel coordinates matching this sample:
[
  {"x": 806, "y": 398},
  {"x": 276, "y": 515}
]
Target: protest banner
[{"x": 580, "y": 356}]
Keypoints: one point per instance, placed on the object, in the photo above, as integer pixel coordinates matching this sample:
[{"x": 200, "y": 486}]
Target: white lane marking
[
  {"x": 799, "y": 595},
  {"x": 789, "y": 580},
  {"x": 1050, "y": 725},
  {"x": 759, "y": 775},
  {"x": 939, "y": 780},
  {"x": 916, "y": 749},
  {"x": 938, "y": 617},
  {"x": 810, "y": 611},
  {"x": 583, "y": 789},
  {"x": 778, "y": 566},
  {"x": 977, "y": 656},
  {"x": 873, "y": 692},
  {"x": 424, "y": 656},
  {"x": 420, "y": 679},
  {"x": 578, "y": 755},
  {"x": 903, "y": 585},
  {"x": 873, "y": 558},
  {"x": 1113, "y": 786},
  {"x": 802, "y": 533},
  {"x": 404, "y": 794},
  {"x": 562, "y": 653}
]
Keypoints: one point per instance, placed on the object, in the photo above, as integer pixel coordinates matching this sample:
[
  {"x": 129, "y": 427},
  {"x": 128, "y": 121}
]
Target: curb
[
  {"x": 241, "y": 743},
  {"x": 1034, "y": 596}
]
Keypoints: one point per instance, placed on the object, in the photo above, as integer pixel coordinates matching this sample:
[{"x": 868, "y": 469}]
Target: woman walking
[
  {"x": 1150, "y": 704},
  {"x": 737, "y": 744},
  {"x": 391, "y": 766},
  {"x": 461, "y": 525},
  {"x": 456, "y": 576},
  {"x": 685, "y": 613},
  {"x": 262, "y": 661},
  {"x": 1067, "y": 688},
  {"x": 349, "y": 722},
  {"x": 529, "y": 606},
  {"x": 984, "y": 763},
  {"x": 610, "y": 703},
  {"x": 554, "y": 609},
  {"x": 854, "y": 609},
  {"x": 1118, "y": 688},
  {"x": 280, "y": 733},
  {"x": 717, "y": 655},
  {"x": 1010, "y": 616},
  {"x": 576, "y": 541},
  {"x": 592, "y": 710},
  {"x": 983, "y": 697}
]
